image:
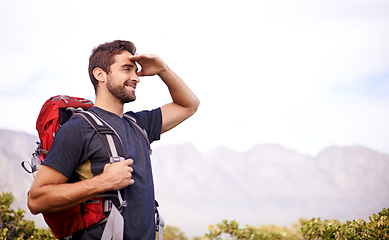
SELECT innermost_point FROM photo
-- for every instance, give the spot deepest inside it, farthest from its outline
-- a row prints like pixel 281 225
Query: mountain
pixel 268 184
pixel 16 147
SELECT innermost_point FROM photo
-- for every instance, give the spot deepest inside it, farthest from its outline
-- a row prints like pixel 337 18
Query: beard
pixel 120 91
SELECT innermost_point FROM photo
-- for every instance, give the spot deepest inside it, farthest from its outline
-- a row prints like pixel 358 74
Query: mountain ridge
pixel 267 184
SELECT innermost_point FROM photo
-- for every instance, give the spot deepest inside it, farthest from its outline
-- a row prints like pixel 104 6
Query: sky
pixel 303 74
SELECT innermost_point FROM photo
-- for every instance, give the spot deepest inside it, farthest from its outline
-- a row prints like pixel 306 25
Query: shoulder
pixel 68 146
pixel 74 124
pixel 145 114
pixel 74 131
pixel 146 117
pixel 149 120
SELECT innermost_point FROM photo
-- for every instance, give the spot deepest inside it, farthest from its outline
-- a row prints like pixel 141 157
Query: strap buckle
pixel 116 159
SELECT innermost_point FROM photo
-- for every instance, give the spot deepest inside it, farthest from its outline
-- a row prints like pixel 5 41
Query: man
pixel 77 152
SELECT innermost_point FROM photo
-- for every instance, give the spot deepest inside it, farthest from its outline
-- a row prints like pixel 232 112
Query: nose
pixel 135 79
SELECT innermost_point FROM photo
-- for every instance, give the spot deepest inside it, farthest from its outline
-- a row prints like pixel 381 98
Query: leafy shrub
pixel 12 225
pixel 318 229
pixel 315 228
pixel 377 228
pixel 231 230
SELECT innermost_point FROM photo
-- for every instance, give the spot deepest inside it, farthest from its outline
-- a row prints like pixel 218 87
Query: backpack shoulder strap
pixel 133 122
pixel 114 227
pixel 108 135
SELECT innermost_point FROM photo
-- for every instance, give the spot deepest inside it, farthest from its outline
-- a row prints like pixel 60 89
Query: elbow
pixel 32 205
pixel 33 209
pixel 195 104
pixel 34 212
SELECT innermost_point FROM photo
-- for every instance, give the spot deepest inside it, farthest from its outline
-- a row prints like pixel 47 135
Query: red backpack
pixel 55 112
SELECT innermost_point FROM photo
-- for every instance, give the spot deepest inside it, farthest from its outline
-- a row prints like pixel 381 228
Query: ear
pixel 100 74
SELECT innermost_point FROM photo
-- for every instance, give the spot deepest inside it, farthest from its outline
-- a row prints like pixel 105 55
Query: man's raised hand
pixel 151 64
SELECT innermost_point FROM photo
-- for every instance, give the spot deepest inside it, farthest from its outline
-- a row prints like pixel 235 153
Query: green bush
pixel 12 225
pixel 315 228
pixel 377 228
pixel 231 230
pixel 318 229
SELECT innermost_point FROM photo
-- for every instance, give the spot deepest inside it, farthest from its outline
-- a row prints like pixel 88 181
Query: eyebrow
pixel 130 66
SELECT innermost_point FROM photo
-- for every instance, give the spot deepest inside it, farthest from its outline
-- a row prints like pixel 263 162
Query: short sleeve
pixel 150 121
pixel 66 151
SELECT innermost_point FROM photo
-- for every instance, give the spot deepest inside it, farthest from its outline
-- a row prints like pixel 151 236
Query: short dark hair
pixel 103 56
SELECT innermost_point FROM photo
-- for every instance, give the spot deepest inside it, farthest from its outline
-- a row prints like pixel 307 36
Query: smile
pixel 131 86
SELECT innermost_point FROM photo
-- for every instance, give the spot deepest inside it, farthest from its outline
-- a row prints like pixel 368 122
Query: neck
pixel 110 104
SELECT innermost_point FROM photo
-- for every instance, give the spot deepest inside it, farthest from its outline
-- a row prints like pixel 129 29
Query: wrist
pixel 100 184
pixel 165 72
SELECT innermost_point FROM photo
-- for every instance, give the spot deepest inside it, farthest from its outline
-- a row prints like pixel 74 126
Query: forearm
pixel 185 102
pixel 50 192
pixel 179 91
pixel 56 197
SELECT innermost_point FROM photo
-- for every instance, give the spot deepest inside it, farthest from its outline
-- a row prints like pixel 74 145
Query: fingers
pixel 150 64
pixel 140 57
pixel 132 181
pixel 134 58
pixel 128 162
pixel 119 174
pixel 140 73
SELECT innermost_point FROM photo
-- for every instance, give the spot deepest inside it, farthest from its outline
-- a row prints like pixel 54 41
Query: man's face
pixel 122 78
